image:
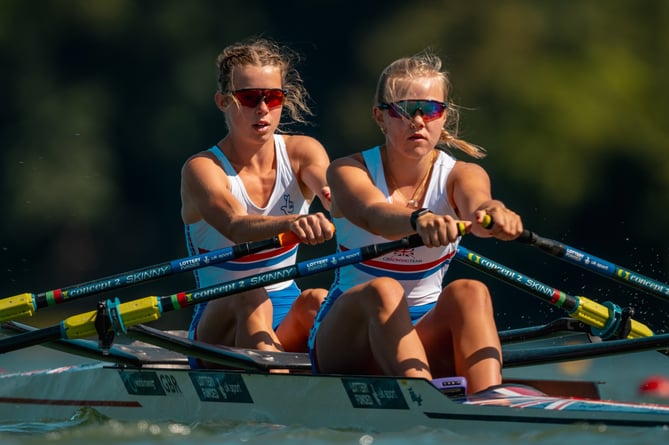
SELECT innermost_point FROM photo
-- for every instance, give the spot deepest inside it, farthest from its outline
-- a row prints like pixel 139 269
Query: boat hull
pixel 341 402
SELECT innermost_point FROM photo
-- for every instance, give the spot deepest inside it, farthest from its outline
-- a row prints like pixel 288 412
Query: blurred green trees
pixel 104 99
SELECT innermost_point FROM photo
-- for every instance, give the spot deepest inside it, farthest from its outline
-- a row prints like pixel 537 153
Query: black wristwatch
pixel 417 214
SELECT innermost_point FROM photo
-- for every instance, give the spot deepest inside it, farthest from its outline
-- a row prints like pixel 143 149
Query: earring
pixel 383 130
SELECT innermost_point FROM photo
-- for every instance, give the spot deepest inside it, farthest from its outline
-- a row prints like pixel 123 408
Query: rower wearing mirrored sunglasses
pixel 392 315
pixel 255 183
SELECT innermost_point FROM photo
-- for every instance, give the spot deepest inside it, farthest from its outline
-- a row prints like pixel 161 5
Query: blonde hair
pixel 263 52
pixel 393 82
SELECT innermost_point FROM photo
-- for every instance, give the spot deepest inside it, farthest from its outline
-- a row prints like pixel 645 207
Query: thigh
pixel 223 317
pixel 294 328
pixel 342 341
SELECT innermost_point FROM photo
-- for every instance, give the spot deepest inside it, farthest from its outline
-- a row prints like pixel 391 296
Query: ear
pixel 222 100
pixel 377 114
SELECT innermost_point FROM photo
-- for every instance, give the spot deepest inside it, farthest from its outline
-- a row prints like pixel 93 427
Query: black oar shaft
pixel 31 338
pixel 552 354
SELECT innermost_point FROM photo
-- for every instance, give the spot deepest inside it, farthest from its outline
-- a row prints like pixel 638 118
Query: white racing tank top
pixel 419 270
pixel 286 198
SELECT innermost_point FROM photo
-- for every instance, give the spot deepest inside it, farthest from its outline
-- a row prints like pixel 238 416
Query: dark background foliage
pixel 103 100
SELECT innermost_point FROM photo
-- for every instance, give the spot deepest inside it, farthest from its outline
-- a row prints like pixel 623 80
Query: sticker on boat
pixel 374 393
pixel 220 387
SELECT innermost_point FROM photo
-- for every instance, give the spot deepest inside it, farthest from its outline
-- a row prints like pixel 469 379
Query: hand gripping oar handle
pixel 595 264
pixel 604 319
pixel 117 316
pixel 25 305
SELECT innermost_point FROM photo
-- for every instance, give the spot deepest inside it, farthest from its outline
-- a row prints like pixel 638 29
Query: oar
pixel 605 320
pixel 552 354
pixel 113 316
pixel 25 305
pixel 595 264
pixel 83 348
pixel 561 326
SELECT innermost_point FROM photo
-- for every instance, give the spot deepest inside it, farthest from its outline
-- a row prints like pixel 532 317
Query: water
pixel 88 430
pixel 623 375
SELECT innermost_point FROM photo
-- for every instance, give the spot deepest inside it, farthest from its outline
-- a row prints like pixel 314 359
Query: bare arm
pixel 470 194
pixel 205 195
pixel 310 161
pixel 356 198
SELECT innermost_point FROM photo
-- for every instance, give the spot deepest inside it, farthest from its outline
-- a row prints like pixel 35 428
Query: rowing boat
pixel 152 381
pixel 139 381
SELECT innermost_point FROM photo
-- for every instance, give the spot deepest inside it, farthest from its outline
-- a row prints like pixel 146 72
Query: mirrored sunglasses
pixel 429 109
pixel 251 97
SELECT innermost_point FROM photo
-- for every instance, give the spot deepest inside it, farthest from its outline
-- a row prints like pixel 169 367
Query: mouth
pixel 261 125
pixel 417 137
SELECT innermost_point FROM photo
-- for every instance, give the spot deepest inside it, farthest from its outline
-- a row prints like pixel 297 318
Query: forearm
pixel 383 219
pixel 243 228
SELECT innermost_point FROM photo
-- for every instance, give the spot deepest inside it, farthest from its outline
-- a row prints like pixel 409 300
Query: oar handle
pixel 287 239
pixel 547 245
pixel 290 238
pixel 487 223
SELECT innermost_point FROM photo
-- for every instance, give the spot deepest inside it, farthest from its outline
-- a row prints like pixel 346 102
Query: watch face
pixel 416 214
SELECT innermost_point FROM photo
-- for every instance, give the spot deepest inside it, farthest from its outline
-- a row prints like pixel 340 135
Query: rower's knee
pixel 385 291
pixel 469 295
pixel 309 302
pixel 466 298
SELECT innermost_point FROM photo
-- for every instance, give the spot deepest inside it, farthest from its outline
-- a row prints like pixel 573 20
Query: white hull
pixel 341 402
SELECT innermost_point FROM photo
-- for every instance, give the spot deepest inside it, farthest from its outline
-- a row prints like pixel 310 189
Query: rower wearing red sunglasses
pixel 253 184
pixel 405 322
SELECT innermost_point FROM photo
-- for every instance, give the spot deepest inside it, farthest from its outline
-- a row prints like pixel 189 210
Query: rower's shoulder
pixel 301 142
pixel 352 160
pixel 468 169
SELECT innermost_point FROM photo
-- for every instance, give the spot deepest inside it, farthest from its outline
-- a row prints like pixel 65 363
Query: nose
pixel 416 120
pixel 262 107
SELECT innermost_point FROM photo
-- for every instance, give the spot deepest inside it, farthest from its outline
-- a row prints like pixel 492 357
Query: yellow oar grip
pixel 142 310
pixel 487 222
pixel 596 315
pixel 18 306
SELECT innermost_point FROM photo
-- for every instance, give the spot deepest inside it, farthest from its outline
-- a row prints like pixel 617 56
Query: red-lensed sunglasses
pixel 251 97
pixel 429 109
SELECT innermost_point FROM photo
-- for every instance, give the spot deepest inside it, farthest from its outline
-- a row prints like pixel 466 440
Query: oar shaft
pixel 588 311
pixel 25 305
pixel 552 354
pixel 596 265
pixel 32 338
pixel 147 309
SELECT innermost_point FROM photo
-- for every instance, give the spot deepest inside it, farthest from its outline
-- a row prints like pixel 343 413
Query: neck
pixel 245 154
pixel 409 183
